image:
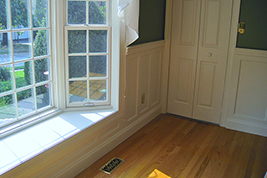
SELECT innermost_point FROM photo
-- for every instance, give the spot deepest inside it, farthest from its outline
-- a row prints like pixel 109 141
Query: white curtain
pixel 128 12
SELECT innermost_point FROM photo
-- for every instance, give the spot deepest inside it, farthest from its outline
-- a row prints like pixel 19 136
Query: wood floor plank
pixel 220 152
pixel 199 162
pixel 226 151
pixel 186 152
pixel 260 165
pixel 252 157
pixel 240 157
pixel 180 147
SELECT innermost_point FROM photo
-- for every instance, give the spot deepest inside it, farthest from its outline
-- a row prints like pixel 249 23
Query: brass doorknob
pixel 210 54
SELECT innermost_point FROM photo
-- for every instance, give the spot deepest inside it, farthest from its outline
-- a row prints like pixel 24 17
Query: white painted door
pixel 200 37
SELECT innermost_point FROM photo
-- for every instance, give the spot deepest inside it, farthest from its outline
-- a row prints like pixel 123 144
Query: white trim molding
pixel 244 106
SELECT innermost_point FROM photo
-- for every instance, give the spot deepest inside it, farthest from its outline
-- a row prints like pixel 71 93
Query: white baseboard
pixel 247 127
pixel 81 162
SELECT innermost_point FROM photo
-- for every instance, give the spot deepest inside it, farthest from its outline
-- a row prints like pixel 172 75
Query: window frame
pixel 111 89
pixel 57 14
pixel 30 29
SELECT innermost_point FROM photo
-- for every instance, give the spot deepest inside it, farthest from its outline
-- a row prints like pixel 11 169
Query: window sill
pixel 24 145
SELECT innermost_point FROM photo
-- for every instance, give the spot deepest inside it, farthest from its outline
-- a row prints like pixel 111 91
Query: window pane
pixel 77 66
pixel 7 109
pixel 18 46
pixel 76 12
pixel 97 12
pixel 77 41
pixel 41 43
pixel 39 13
pixel 23 74
pixel 41 69
pixel 25 102
pixel 4 15
pixel 5 48
pixel 98 66
pixel 98 90
pixel 98 41
pixel 22 45
pixel 43 96
pixel 78 91
pixel 20 13
pixel 6 78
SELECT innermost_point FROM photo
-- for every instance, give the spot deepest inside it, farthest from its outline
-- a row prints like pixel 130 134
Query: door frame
pixel 166 56
pixel 231 52
pixel 167 50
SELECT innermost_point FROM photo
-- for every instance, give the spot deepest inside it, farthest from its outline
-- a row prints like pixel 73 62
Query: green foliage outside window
pixel 4 73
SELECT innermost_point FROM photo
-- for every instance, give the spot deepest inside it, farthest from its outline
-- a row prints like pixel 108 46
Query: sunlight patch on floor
pixel 157 174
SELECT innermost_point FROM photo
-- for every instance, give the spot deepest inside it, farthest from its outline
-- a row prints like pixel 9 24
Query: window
pixel 87 34
pixel 25 59
pixel 56 54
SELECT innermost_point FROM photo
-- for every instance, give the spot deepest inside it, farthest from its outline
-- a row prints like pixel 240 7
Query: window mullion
pixel 14 84
pixel 88 64
pixel 109 43
pixel 35 98
pixel 9 13
pixel 77 54
pixel 33 80
pixel 108 12
pixel 99 54
pixel 88 81
pixel 30 10
pixel 66 66
pixel 59 55
pixel 51 64
pixel 33 89
pixel 50 54
pixel 13 60
pixel 87 12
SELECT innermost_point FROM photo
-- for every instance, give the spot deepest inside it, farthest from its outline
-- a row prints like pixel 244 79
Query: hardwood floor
pixel 182 147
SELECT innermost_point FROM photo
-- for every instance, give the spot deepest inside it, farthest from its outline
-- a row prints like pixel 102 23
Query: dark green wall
pixel 254 14
pixel 151 21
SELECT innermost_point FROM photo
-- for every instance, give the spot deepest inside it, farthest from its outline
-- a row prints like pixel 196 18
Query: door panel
pixel 188 22
pixel 211 23
pixel 212 57
pixel 184 80
pixel 184 46
pixel 206 85
pixel 180 100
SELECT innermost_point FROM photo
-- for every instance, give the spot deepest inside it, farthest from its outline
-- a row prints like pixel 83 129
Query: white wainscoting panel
pixel 131 88
pixel 155 75
pixel 143 71
pixel 247 103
